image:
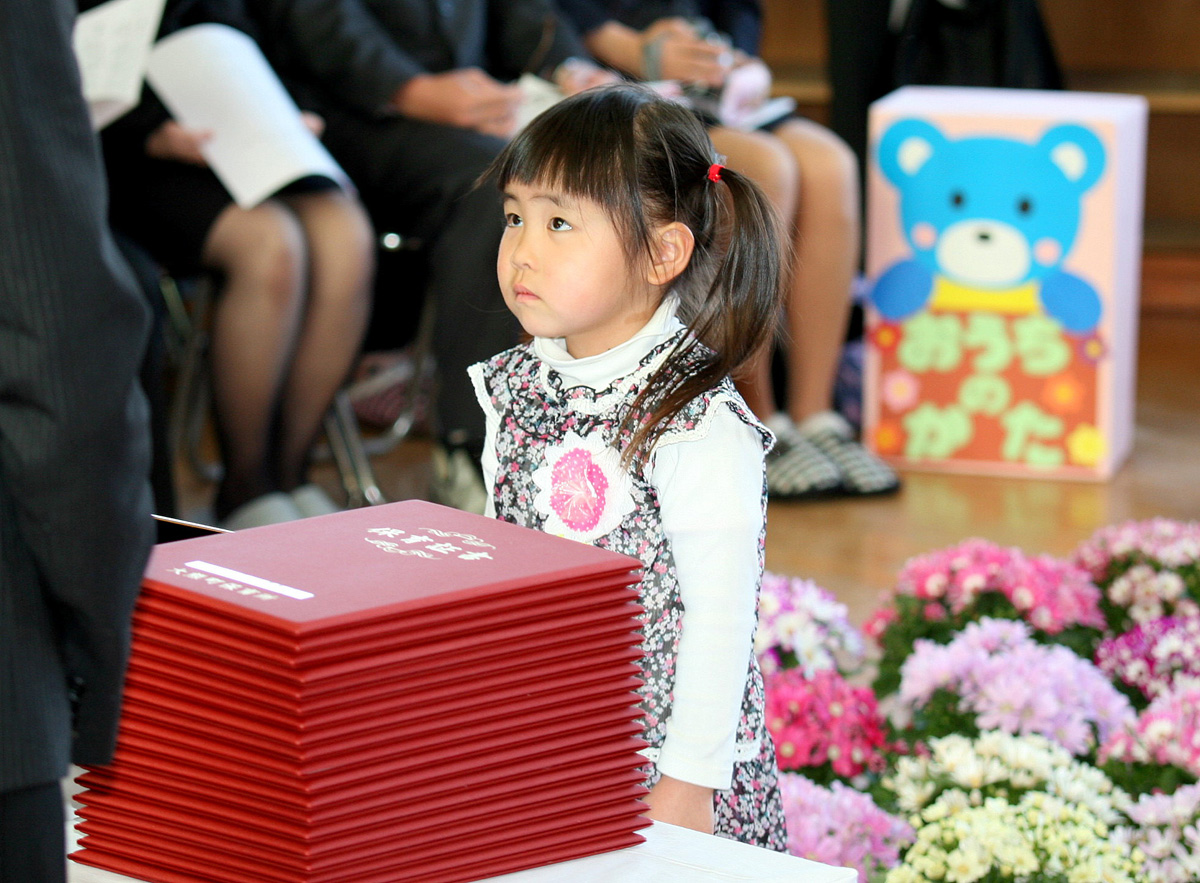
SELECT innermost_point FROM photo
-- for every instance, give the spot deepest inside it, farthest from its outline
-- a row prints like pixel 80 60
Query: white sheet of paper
pixel 112 44
pixel 214 77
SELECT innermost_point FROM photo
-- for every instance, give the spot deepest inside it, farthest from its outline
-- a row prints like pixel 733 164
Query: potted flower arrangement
pixel 1146 570
pixel 1045 714
pixel 825 727
pixel 999 764
pixel 993 675
pixel 1039 838
pixel 1161 749
pixel 1008 807
pixel 936 595
pixel 841 826
pixel 1152 658
pixel 1164 828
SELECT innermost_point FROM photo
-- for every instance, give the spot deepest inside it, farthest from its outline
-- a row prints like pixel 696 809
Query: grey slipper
pixel 796 468
pixel 863 473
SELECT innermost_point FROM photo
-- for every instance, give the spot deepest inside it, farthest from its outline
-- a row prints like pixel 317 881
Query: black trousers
pixel 860 54
pixel 32 835
pixel 422 180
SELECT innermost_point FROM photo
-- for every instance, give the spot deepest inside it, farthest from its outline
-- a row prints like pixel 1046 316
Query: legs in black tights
pixel 287 325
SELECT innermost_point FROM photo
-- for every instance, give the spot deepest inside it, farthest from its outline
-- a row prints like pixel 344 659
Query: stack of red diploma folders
pixel 405 692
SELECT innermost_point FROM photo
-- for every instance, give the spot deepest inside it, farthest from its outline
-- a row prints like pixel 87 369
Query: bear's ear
pixel 1077 151
pixel 906 146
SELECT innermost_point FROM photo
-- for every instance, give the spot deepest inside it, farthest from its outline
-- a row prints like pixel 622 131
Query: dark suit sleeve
pixel 585 15
pixel 74 446
pixel 339 44
pixel 529 35
pixel 741 20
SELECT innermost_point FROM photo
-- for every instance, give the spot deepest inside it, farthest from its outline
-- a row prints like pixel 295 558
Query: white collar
pixel 599 370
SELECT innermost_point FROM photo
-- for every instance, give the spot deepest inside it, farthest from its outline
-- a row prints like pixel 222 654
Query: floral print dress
pixel 559 472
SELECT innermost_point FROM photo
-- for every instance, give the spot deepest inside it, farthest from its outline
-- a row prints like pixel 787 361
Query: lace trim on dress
pixel 676 433
pixel 598 401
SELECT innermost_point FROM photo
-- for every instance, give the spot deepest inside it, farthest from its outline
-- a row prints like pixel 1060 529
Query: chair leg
pixel 422 350
pixel 192 397
pixel 350 455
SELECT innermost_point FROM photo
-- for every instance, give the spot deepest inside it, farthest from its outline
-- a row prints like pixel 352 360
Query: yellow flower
pixel 1085 445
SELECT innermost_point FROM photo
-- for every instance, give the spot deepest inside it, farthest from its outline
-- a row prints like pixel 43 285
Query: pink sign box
pixel 1003 249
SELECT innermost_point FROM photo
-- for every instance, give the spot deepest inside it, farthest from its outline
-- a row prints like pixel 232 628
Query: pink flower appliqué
pixel 583 490
pixel 578 489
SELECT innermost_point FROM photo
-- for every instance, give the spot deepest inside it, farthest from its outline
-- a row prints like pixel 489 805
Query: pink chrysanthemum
pixel 1166 733
pixel 1146 569
pixel 840 826
pixel 803 625
pixel 823 726
pixel 1005 681
pixel 1155 656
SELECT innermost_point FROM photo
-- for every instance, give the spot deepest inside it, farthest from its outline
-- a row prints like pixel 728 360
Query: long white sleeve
pixel 710 492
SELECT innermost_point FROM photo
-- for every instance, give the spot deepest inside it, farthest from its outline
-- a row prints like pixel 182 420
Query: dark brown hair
pixel 645 161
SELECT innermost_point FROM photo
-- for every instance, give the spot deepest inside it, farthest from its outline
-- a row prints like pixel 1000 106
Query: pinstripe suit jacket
pixel 75 521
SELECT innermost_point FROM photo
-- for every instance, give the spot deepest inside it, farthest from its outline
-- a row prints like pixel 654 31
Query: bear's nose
pixel 983 235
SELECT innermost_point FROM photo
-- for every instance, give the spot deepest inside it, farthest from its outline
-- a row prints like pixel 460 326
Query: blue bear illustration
pixel 990 221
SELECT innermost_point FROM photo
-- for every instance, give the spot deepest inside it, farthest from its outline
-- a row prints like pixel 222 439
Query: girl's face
pixel 564 272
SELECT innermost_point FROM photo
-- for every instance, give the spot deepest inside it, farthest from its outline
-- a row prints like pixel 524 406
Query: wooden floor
pixel 855 547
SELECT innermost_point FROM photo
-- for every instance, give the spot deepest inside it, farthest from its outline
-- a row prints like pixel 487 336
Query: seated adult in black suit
pixel 293 277
pixel 417 99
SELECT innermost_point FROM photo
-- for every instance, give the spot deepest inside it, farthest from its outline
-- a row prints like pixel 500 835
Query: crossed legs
pixel 287 325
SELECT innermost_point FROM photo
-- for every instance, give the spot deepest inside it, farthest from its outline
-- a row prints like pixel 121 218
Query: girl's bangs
pixel 583 148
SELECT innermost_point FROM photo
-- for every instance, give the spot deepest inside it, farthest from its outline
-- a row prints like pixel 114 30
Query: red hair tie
pixel 714 172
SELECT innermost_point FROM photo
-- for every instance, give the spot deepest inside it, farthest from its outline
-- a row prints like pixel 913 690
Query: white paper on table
pixel 669 855
pixel 213 77
pixel 112 45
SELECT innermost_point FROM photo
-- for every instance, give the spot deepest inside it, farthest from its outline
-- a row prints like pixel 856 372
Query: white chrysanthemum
pixel 968 863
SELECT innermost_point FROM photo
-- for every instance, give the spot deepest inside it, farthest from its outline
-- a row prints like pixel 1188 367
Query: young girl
pixel 646 273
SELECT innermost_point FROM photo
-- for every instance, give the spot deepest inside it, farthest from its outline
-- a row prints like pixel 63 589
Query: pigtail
pixel 732 313
pixel 739 313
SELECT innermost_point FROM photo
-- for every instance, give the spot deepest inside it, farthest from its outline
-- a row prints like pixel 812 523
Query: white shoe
pixel 311 500
pixel 456 480
pixel 272 508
